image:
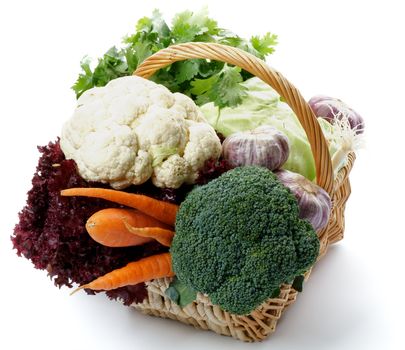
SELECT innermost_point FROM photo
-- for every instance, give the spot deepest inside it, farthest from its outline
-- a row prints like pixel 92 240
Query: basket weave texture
pixel 261 322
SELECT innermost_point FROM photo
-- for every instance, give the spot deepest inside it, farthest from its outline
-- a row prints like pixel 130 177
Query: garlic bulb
pixel 264 146
pixel 343 139
pixel 333 109
pixel 314 202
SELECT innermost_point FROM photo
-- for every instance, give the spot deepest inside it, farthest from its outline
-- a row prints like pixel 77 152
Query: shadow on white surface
pixel 335 309
pixel 337 305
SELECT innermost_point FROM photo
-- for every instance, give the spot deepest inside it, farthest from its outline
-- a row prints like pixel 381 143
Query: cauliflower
pixel 133 129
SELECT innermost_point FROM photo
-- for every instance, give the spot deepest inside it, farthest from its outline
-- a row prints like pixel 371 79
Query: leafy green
pixel 227 89
pixel 189 26
pixel 187 70
pixel 201 79
pixel 222 88
pixel 180 293
pixel 85 80
pixel 261 105
pixel 264 45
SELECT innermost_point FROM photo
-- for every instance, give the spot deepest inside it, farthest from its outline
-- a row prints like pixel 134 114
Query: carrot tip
pixel 161 235
pixel 77 289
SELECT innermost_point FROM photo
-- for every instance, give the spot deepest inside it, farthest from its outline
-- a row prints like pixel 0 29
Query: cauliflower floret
pixel 202 145
pixel 140 172
pixel 134 129
pixel 116 147
pixel 172 173
pixel 188 105
pixel 162 128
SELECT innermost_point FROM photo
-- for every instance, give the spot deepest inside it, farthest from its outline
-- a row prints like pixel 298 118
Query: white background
pixel 349 49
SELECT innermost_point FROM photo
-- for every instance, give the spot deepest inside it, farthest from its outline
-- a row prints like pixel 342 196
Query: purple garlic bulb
pixel 264 146
pixel 330 108
pixel 314 202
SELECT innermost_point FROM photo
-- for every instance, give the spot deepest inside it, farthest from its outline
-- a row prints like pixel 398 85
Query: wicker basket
pixel 261 322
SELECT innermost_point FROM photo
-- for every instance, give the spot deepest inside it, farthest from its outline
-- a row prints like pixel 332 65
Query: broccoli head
pixel 239 237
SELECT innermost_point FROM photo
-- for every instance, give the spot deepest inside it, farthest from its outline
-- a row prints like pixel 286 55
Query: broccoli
pixel 239 237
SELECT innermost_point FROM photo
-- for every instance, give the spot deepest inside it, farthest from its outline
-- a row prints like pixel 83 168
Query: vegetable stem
pixel 338 158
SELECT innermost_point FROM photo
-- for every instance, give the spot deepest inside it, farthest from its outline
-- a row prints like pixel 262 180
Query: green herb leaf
pixel 180 293
pixel 142 50
pixel 203 80
pixel 264 45
pixel 202 89
pixel 159 26
pixel 186 70
pixel 226 91
pixel 188 25
pixel 85 79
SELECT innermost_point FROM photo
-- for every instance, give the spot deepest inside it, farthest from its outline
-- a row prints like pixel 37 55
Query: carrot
pixel 162 211
pixel 163 236
pixel 146 269
pixel 110 227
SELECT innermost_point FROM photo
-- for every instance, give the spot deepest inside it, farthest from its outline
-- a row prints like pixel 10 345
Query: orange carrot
pixel 162 211
pixel 110 227
pixel 146 269
pixel 163 236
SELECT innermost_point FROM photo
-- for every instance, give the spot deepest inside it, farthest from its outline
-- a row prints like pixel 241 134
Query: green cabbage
pixel 262 106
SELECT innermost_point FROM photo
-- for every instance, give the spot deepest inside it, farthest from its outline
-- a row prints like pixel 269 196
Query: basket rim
pixel 259 68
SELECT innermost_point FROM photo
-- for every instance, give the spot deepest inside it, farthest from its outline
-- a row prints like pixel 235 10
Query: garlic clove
pixel 314 202
pixel 264 146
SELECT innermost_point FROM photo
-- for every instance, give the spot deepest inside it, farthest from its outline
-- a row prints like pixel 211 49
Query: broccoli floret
pixel 239 237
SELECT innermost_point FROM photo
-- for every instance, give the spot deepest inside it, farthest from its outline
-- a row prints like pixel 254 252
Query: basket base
pixel 204 315
pixel 261 322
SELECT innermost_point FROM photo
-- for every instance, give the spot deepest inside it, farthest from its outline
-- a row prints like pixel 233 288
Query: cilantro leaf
pixel 202 89
pixel 188 25
pixel 222 88
pixel 203 80
pixel 226 91
pixel 186 70
pixel 264 45
pixel 209 68
pixel 142 50
pixel 159 26
pixel 85 79
pixel 183 33
pixel 153 32
pixel 111 66
pixel 165 77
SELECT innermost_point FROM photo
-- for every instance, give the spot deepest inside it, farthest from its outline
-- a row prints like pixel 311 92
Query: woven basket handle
pixel 258 68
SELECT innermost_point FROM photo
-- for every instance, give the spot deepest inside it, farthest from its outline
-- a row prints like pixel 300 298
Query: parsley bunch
pixel 203 80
